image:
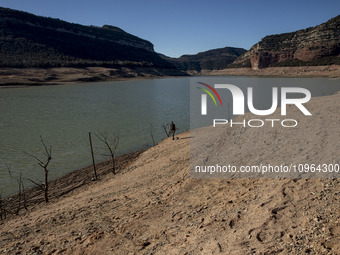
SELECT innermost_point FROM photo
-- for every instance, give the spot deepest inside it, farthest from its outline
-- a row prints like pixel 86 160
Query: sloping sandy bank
pixel 69 75
pixel 156 208
pixel 332 71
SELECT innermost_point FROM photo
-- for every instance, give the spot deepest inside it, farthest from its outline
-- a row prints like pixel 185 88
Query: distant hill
pixel 209 60
pixel 318 45
pixel 27 40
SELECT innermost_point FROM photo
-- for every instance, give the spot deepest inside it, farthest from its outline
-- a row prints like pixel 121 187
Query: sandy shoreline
pixel 154 207
pixel 332 71
pixel 65 184
pixel 16 77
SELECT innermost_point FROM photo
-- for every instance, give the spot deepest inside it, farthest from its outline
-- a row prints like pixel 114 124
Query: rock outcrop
pixel 215 59
pixel 27 40
pixel 312 46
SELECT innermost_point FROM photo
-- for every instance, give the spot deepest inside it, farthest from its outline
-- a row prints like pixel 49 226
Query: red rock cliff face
pixel 304 45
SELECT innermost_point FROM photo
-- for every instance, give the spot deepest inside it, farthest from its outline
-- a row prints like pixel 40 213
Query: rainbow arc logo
pixel 204 97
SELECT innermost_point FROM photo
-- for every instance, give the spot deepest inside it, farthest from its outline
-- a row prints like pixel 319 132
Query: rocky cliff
pixel 27 40
pixel 215 59
pixel 318 45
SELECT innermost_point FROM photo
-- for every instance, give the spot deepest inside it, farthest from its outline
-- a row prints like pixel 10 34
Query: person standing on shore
pixel 172 130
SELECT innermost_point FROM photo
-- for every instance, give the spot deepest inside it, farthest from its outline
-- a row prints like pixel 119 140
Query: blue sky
pixel 189 26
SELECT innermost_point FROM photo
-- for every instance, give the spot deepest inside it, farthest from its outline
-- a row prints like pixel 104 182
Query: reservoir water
pixel 63 115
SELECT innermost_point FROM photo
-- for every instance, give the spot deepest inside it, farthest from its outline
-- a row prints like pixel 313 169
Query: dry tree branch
pixel 111 142
pixel 48 154
pixel 1 208
pixel 9 170
pixel 151 134
pixel 166 128
pixel 93 162
pixel 39 185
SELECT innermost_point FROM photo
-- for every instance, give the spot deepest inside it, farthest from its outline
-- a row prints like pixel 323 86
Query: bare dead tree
pixel 9 170
pixel 93 162
pixel 23 194
pixel 166 129
pixel 1 211
pixel 19 194
pixel 5 212
pixel 111 141
pixel 151 134
pixel 48 154
pixel 21 190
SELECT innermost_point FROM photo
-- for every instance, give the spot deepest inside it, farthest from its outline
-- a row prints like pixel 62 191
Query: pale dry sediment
pixel 156 207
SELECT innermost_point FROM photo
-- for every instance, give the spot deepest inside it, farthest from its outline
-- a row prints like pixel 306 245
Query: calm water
pixel 63 116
